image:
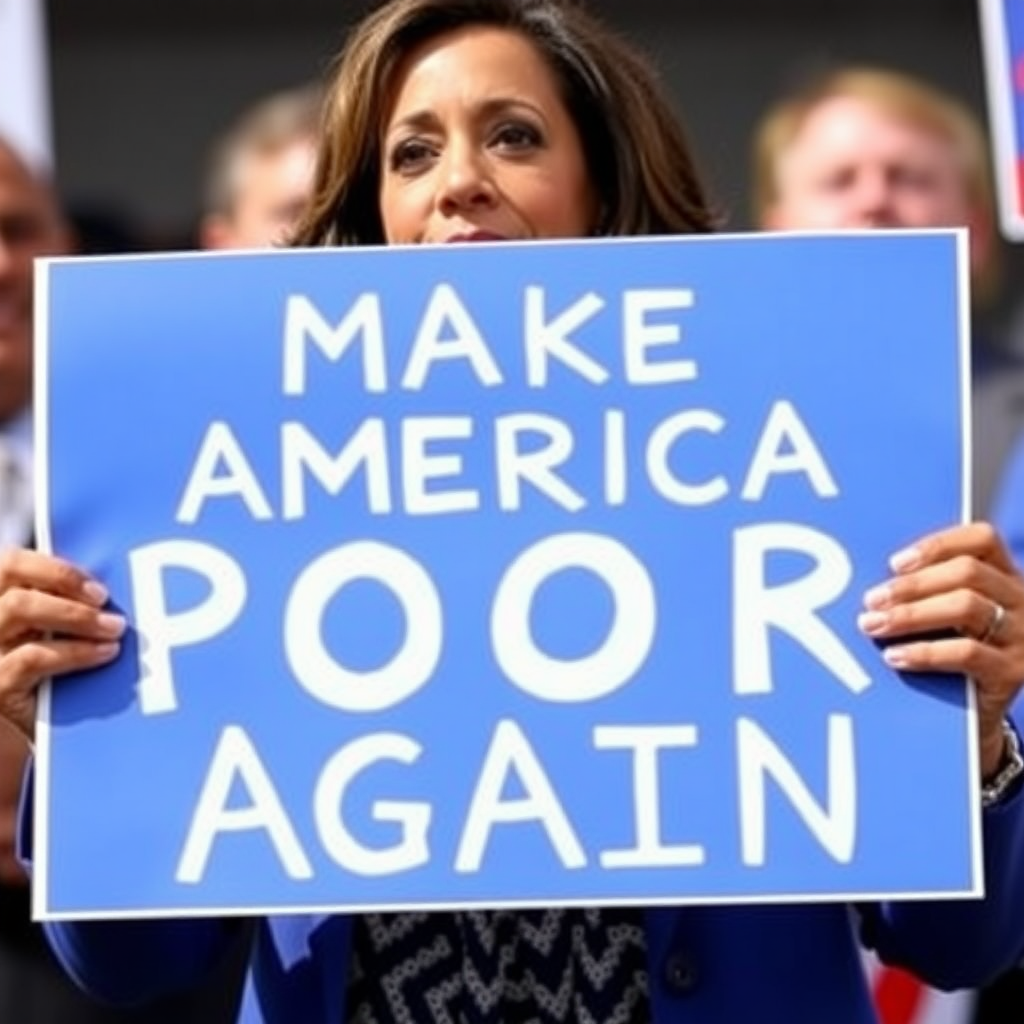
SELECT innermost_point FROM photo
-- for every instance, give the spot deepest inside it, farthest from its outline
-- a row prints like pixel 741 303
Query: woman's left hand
pixel 963 584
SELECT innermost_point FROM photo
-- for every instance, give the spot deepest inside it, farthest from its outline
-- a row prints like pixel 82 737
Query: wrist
pixel 1007 771
pixel 993 751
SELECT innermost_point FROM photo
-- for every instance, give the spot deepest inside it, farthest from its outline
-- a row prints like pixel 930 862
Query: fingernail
pixel 878 597
pixel 104 652
pixel 896 657
pixel 908 558
pixel 95 592
pixel 111 623
pixel 872 622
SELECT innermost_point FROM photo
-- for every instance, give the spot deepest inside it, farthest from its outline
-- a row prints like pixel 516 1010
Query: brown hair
pixel 635 148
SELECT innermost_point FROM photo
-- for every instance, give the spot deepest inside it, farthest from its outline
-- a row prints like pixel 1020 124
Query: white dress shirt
pixel 16 513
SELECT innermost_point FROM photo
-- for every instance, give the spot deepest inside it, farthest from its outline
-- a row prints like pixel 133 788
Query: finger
pixel 24 667
pixel 961 573
pixel 20 567
pixel 963 610
pixel 979 540
pixel 995 683
pixel 32 611
pixel 962 655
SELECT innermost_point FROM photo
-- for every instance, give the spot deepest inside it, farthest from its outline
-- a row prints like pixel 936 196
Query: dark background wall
pixel 140 87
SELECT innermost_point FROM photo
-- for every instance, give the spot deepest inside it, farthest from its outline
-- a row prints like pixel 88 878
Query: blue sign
pixel 502 575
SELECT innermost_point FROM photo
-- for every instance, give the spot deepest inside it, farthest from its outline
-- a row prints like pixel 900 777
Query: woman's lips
pixel 476 236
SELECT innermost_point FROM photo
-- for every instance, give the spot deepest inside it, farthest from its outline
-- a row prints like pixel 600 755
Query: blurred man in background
pixel 31 225
pixel 261 172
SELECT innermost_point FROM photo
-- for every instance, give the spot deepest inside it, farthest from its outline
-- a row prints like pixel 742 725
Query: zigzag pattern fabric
pixel 550 966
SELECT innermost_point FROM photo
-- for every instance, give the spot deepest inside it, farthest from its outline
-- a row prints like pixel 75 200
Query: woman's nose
pixel 465 181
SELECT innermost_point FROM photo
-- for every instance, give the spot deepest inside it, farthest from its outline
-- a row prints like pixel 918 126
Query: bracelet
pixel 994 791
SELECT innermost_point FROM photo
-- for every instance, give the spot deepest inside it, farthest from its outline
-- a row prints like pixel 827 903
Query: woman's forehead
pixel 471 60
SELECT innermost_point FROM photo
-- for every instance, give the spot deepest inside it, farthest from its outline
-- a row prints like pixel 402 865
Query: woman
pixel 486 119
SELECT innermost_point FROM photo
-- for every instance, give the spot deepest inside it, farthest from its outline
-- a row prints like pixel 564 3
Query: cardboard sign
pixel 502 575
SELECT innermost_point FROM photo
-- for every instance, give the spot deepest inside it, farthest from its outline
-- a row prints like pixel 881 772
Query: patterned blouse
pixel 549 966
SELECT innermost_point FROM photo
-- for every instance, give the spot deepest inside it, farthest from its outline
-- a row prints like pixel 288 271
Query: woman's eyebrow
pixel 428 118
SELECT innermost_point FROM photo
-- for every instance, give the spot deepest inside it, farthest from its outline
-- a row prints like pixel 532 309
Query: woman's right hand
pixel 51 622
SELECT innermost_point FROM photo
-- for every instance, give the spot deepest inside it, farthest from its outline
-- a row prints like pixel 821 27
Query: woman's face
pixel 477 145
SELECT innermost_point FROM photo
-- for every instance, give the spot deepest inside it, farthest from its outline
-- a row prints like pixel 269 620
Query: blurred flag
pixel 901 999
pixel 24 81
pixel 1002 36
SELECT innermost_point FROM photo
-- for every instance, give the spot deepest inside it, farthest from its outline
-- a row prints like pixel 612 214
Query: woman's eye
pixel 517 135
pixel 410 154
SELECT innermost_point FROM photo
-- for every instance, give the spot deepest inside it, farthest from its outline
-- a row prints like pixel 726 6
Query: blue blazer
pixel 776 964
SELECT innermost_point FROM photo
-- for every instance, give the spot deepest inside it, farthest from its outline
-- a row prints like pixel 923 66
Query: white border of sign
pixel 41 840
